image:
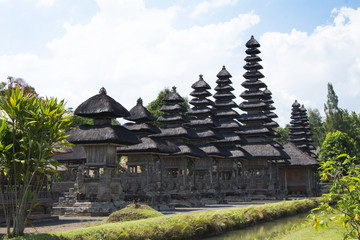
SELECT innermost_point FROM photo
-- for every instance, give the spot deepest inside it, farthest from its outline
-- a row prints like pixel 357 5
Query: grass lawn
pixel 307 232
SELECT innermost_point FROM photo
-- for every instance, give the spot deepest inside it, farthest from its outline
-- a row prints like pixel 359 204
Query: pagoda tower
pixel 144 176
pixel 300 134
pixel 100 142
pixel 201 120
pixel 176 172
pixel 258 131
pixel 227 126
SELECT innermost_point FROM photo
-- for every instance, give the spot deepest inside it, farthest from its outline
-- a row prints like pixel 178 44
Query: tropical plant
pixel 31 130
pixel 345 192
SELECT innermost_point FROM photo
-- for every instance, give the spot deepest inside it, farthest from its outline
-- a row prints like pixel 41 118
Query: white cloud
pixel 45 3
pixel 299 65
pixel 207 5
pixel 133 52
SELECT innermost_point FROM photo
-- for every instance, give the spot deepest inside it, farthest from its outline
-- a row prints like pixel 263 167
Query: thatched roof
pixel 253 117
pixel 214 151
pixel 90 134
pixel 253 84
pixel 202 110
pixel 190 151
pixel 139 113
pixel 150 145
pixel 173 96
pixel 256 94
pixel 77 155
pixel 266 151
pixel 224 95
pixel 200 84
pixel 248 106
pixel 201 102
pixel 173 108
pixel 225 104
pixel 172 118
pixel 142 128
pixel 299 157
pixel 223 74
pixel 230 138
pixel 177 132
pixel 227 113
pixel 101 106
pixel 224 87
pixel 201 122
pixel 252 43
pixel 200 93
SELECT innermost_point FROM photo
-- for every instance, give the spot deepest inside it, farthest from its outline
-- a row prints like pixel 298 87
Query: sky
pixel 135 48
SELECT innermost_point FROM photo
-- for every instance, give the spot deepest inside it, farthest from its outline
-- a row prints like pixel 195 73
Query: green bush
pixel 133 212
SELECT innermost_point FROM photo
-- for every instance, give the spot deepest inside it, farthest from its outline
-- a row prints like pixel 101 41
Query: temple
pixel 214 152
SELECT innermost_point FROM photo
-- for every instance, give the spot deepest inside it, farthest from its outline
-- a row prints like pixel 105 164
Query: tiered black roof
pixel 201 119
pixel 300 130
pixel 258 131
pixel 225 116
pixel 101 107
pixel 174 118
pixel 142 128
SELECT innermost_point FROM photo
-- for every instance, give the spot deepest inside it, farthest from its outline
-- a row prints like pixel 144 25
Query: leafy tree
pixel 316 127
pixel 31 129
pixel 334 114
pixel 154 106
pixel 13 83
pixel 345 192
pixel 284 134
pixel 337 143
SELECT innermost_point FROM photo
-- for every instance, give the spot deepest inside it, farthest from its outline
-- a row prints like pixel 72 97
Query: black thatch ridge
pixel 101 106
pixel 91 134
pixel 299 157
pixel 76 156
pixel 230 138
pixel 224 95
pixel 224 87
pixel 248 106
pixel 208 134
pixel 142 128
pixel 201 122
pixel 139 113
pixel 252 94
pixel 150 145
pixel 225 104
pixel 200 94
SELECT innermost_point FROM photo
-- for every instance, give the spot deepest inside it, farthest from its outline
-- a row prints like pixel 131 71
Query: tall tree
pixel 31 129
pixel 316 127
pixel 333 113
pixel 13 82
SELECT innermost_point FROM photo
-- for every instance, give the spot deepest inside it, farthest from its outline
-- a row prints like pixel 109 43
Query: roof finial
pixel 102 91
pixel 201 77
pixel 223 67
pixel 174 89
pixel 139 102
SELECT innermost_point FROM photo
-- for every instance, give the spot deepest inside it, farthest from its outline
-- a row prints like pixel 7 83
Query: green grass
pixel 133 212
pixel 307 232
pixel 187 226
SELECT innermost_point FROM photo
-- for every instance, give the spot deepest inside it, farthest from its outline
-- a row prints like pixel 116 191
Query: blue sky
pixel 135 48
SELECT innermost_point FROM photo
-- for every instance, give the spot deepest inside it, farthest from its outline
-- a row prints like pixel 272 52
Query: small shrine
pixel 98 180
